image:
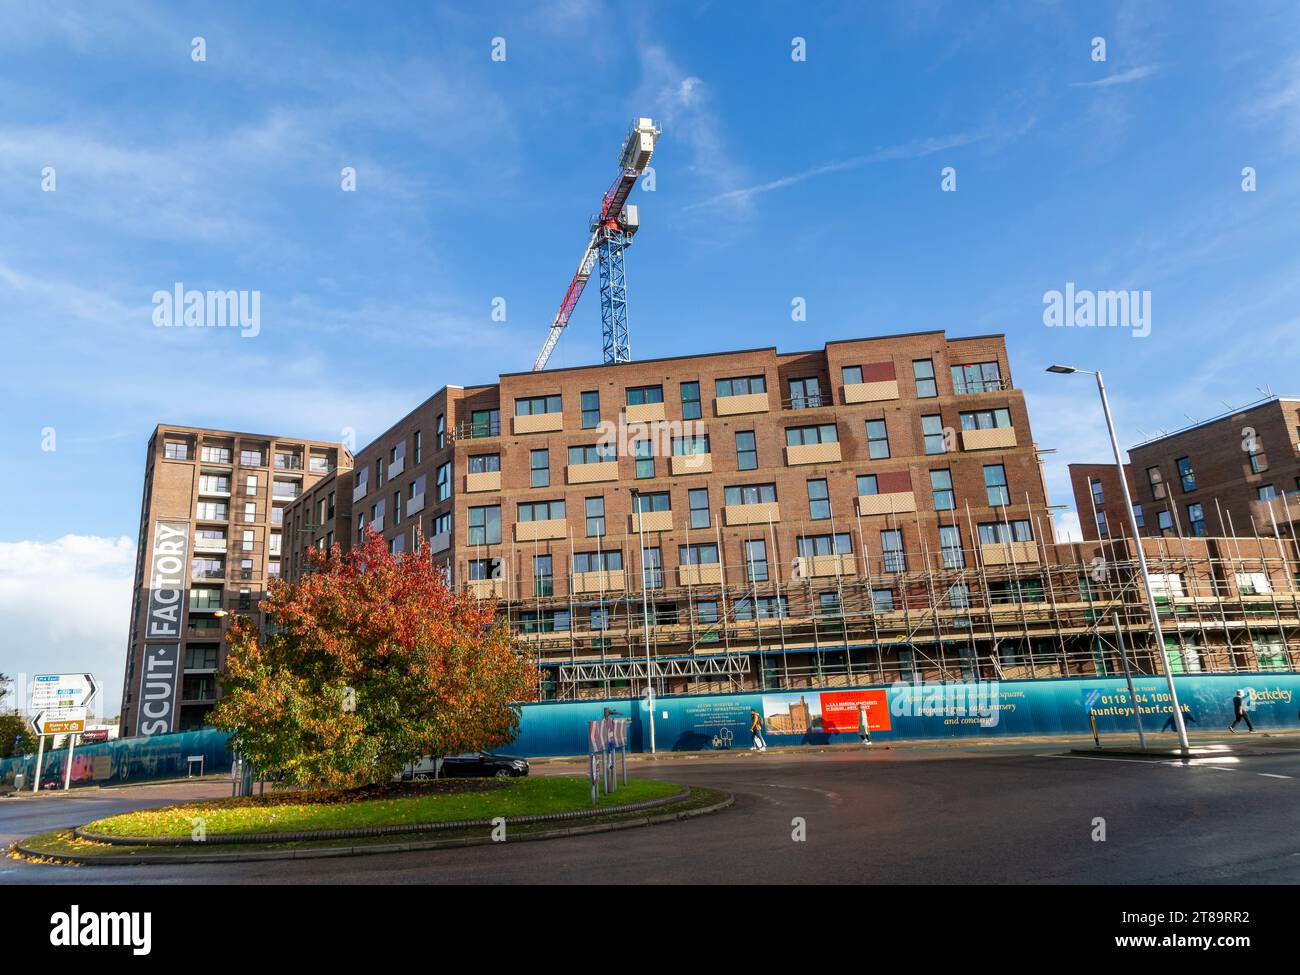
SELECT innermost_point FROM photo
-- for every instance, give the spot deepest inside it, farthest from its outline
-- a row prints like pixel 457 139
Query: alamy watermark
pixel 958 702
pixel 208 309
pixel 1077 307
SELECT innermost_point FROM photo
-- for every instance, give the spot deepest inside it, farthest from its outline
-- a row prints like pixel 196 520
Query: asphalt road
pixel 998 814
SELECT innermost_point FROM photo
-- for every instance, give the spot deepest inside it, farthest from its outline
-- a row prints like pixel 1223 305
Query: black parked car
pixel 483 764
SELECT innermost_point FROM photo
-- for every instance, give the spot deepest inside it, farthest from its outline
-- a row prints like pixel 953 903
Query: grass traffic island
pixel 409 816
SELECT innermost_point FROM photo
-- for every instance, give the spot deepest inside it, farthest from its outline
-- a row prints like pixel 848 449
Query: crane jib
pixel 618 194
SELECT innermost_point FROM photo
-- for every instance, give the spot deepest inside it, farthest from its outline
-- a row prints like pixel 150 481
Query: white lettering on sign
pixel 167 580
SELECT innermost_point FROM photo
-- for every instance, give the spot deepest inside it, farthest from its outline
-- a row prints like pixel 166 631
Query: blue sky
pixel 775 179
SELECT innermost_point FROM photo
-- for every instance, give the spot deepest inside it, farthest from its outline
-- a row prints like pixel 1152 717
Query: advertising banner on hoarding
pixel 159 677
pixel 841 711
pixel 168 580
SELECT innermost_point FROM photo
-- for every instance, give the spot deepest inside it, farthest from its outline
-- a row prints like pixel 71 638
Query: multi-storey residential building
pixel 211 536
pixel 762 477
pixel 319 518
pixel 1225 476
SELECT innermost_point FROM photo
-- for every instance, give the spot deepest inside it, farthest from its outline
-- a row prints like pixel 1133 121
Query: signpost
pixel 606 738
pixel 58 705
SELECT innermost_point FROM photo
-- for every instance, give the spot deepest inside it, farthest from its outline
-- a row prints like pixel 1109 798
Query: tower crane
pixel 612 231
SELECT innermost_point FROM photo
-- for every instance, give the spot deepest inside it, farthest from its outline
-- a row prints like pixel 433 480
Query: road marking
pixel 1174 764
pixel 1274 775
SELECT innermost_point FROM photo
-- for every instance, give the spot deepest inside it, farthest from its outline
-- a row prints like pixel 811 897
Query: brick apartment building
pixel 1226 476
pixel 758 471
pixel 210 538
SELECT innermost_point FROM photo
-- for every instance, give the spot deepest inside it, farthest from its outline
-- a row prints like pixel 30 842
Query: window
pixel 215 455
pixel 868 485
pixel 540 510
pixel 379 472
pixel 200 657
pixel 1103 526
pixel 812 545
pixel 441 524
pixel 1196 519
pixel 643 395
pixel 995 482
pixel 546 621
pixel 643 451
pixel 416 490
pixel 250 484
pixel 1258 462
pixel 756 560
pixel 688 446
pixel 851 375
pixel 397 507
pixel 706 612
pixel 207 569
pixel 652 569
pixel 481 569
pixel 484 463
pixel 1186 475
pixel 591 453
pixel 211 511
pixel 419 446
pixel 882 600
pixel 697 499
pixel 1165 522
pixel 703 554
pixel 543 576
pixel 176 451
pixel 250 511
pixel 609 561
pixel 891 545
pixel 1098 493
pixel 941 489
pixel 923 373
pixel 440 432
pixel 595 511
pixel 533 405
pixel 744 386
pixel 819 500
pixel 539 467
pixel 484 423
pixel 691 401
pixel 950 547
pixel 877 440
pixel 933 435
pixel 821 433
pixel 805 393
pixel 658 501
pixel 1156 481
pixel 749 494
pixel 213 483
pixel 976 377
pixel 590 409
pixel 746 450
pixel 250 458
pixel 768 608
pixel 1265 492
pixel 985 419
pixel 1137 516
pixel 485 525
pixel 1002 532
pixel 442 480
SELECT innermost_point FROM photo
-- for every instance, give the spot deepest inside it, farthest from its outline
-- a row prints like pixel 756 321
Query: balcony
pixel 653 521
pixel 895 502
pixel 645 413
pixel 759 513
pixel 396 467
pixel 487 588
pixel 1009 553
pixel 359 490
pixel 812 453
pixel 439 542
pixel 602 580
pixel 884 389
pixel 377 523
pixel 991 439
pixel 207 573
pixel 483 481
pixel 538 531
pixel 209 544
pixel 215 492
pixel 285 494
pixel 736 405
pixel 284 462
pixel 416 504
pixel 816 566
pixel 538 423
pixel 691 464
pixel 605 470
pixel 705 574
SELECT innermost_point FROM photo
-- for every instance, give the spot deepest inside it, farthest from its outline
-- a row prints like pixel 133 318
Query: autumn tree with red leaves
pixel 371 660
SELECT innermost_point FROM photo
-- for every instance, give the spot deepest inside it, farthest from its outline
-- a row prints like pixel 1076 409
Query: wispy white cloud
pixel 1120 78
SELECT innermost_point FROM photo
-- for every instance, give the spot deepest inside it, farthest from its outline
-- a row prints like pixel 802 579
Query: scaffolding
pixel 1005 610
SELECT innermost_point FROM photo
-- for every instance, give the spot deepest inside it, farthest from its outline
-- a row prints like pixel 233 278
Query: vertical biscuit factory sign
pixel 160 667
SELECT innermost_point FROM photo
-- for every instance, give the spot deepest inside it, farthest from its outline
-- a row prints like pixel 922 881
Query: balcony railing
pixel 972 386
pixel 811 401
pixel 288 463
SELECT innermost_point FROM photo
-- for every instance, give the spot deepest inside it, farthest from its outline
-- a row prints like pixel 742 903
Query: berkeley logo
pixel 131 929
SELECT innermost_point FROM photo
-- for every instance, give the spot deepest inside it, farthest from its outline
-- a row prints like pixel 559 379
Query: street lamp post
pixel 1141 554
pixel 645 616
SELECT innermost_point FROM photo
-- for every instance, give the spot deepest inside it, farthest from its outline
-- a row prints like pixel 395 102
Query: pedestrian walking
pixel 1239 712
pixel 864 729
pixel 756 728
